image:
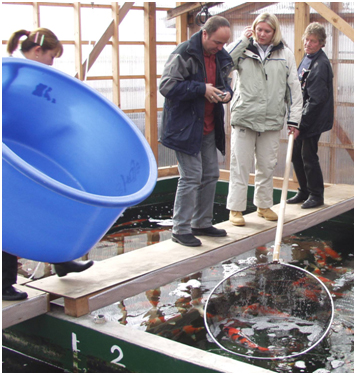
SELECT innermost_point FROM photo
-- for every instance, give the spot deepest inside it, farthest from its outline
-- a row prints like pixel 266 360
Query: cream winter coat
pixel 266 92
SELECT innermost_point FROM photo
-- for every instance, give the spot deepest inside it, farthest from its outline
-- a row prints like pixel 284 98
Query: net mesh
pixel 269 311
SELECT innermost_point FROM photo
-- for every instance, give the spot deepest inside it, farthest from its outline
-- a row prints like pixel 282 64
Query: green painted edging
pixel 165 189
pixel 51 340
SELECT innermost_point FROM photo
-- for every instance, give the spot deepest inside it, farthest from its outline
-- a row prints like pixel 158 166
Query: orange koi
pixel 156 321
pixel 162 319
pixel 237 336
pixel 331 253
pixel 309 294
pixel 190 330
pixel 325 280
pixel 262 248
pixel 300 281
pixel 256 309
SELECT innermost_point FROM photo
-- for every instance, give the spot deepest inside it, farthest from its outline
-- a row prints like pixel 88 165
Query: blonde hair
pixel 42 37
pixel 315 28
pixel 272 21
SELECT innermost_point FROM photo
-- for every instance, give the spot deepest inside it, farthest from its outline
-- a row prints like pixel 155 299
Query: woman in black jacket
pixel 316 77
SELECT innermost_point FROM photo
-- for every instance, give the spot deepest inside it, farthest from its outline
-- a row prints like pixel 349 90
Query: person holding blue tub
pixel 43 46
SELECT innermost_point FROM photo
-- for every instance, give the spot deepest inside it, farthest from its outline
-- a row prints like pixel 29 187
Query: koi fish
pixel 311 295
pixel 262 249
pixel 300 281
pixel 191 330
pixel 256 309
pixel 325 280
pixel 320 256
pixel 162 319
pixel 331 253
pixel 235 334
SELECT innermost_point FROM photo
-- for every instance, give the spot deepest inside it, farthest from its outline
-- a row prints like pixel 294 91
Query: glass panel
pixel 139 120
pixel 160 98
pixel 132 93
pixel 66 63
pixel 132 60
pixel 103 86
pixel 94 22
pixel 166 30
pixel 103 64
pixel 14 18
pixel 60 20
pixel 163 53
pixel 132 27
pixel 3 51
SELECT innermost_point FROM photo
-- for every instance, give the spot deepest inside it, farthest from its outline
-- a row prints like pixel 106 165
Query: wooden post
pixel 115 55
pixel 78 41
pixel 181 26
pixel 333 18
pixel 151 131
pixel 36 15
pixel 301 21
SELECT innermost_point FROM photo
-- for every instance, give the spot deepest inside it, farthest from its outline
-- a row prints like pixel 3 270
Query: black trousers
pixel 9 270
pixel 306 166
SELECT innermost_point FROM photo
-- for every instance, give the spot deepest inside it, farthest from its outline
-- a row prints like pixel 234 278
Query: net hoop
pixel 294 354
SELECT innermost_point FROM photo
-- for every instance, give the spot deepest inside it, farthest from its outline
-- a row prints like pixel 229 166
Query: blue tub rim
pixel 89 198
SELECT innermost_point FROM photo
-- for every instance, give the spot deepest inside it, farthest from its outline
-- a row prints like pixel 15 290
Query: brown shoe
pixel 236 218
pixel 267 213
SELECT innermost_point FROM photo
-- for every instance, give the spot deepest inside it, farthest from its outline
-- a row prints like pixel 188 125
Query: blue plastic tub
pixel 72 163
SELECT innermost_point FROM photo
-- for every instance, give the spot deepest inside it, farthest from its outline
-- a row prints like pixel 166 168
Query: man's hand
pixel 215 95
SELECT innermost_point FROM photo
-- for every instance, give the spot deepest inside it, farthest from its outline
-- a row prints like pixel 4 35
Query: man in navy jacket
pixel 195 83
pixel 316 77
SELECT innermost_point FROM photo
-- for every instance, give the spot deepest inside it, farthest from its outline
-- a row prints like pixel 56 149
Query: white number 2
pixel 116 361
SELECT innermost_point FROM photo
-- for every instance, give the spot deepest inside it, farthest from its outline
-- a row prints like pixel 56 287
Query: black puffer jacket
pixel 318 97
pixel 183 86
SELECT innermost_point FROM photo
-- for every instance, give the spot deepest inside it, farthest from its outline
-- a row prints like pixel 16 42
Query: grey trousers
pixel 194 201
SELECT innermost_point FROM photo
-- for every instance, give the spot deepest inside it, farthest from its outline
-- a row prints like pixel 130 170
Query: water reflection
pixel 175 310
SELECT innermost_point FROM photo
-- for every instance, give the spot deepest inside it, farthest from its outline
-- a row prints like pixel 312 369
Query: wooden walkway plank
pixel 14 312
pixel 128 274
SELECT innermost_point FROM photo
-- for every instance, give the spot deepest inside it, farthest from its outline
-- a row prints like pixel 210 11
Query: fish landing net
pixel 269 311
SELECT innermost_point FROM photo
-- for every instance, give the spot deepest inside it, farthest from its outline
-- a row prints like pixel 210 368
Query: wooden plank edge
pixel 25 310
pixel 199 262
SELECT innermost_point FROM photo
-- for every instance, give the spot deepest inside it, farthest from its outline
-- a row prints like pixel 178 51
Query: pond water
pixel 175 310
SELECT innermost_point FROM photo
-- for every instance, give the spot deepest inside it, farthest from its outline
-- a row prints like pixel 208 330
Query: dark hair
pixel 214 23
pixel 39 37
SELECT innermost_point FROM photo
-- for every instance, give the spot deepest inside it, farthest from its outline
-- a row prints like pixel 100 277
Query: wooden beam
pixel 186 8
pixel 333 18
pixel 124 10
pixel 344 138
pixel 151 128
pixel 115 10
pixel 301 21
pixel 78 42
pixel 335 54
pixel 181 27
pixel 247 8
pixel 36 15
pixel 105 38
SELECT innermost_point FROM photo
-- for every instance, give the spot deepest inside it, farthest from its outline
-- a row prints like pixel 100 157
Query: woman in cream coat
pixel 267 94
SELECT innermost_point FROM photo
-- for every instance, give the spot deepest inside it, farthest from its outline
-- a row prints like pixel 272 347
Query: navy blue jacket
pixel 183 86
pixel 318 97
